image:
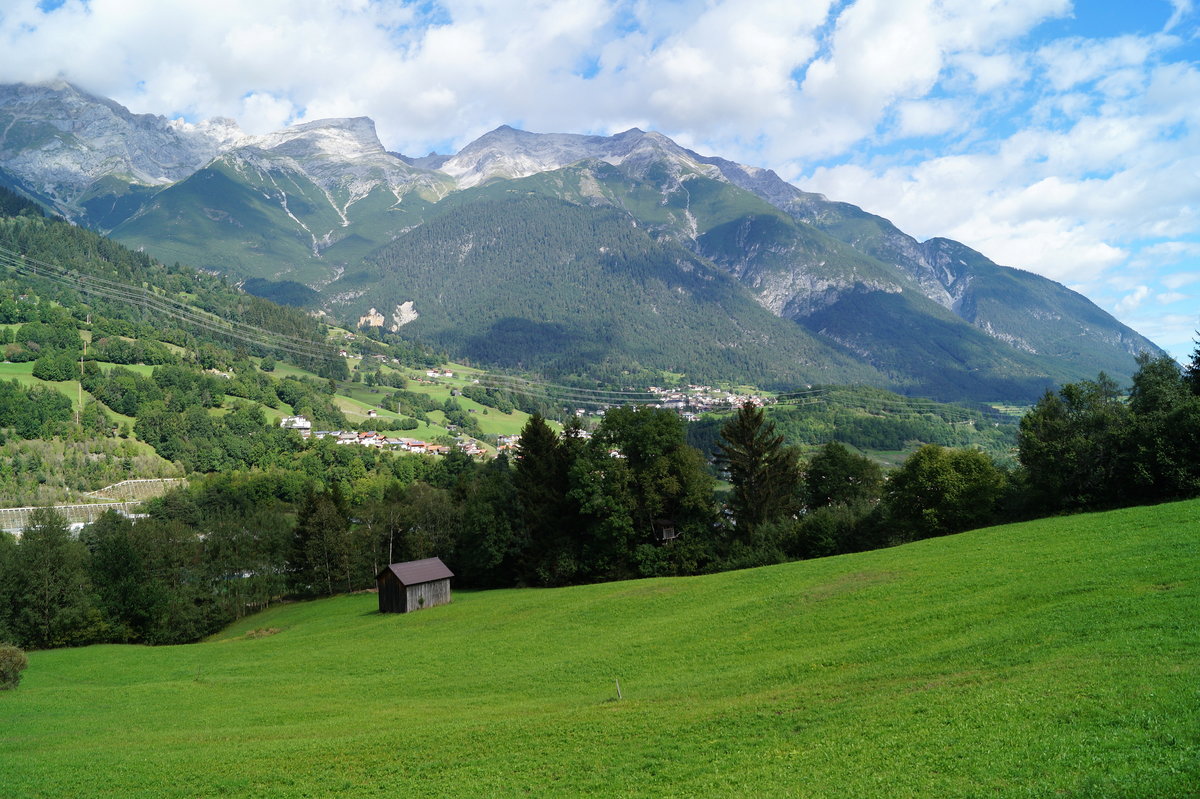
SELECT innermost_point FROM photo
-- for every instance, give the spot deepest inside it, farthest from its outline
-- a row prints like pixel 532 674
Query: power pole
pixel 79 409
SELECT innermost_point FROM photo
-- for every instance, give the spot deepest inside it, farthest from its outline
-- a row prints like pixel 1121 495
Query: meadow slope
pixel 1054 658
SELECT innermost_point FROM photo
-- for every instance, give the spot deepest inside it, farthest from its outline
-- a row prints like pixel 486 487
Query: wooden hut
pixel 404 587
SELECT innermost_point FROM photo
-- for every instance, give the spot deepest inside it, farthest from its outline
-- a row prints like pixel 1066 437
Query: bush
pixel 12 663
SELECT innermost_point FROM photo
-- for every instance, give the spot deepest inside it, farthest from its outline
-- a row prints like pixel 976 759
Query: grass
pixel 23 374
pixel 1057 658
pixel 354 399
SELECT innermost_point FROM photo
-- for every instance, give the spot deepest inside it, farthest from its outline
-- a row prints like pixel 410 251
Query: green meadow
pixel 1057 658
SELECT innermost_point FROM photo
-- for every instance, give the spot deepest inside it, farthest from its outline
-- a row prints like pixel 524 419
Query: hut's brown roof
pixel 415 572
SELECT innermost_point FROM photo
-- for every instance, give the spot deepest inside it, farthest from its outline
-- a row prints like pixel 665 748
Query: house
pixel 405 587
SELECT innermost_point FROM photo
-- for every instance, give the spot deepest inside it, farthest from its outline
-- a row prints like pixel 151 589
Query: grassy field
pixel 1059 658
pixel 354 399
pixel 23 374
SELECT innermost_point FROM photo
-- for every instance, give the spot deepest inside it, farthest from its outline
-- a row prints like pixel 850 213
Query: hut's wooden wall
pixel 391 595
pixel 434 593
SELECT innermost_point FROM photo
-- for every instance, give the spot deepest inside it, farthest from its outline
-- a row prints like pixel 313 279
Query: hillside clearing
pixel 1052 658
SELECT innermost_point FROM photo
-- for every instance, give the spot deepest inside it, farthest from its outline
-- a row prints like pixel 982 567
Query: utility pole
pixel 79 409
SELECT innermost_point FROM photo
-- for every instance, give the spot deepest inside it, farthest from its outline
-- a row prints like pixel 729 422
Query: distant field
pixel 493 421
pixel 1055 658
pixel 23 374
pixel 283 369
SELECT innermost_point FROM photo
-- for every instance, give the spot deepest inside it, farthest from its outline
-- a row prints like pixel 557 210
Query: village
pixel 689 403
pixel 379 440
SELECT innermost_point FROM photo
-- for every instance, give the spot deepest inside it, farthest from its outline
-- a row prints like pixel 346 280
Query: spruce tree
pixel 549 516
pixel 765 473
pixel 1191 372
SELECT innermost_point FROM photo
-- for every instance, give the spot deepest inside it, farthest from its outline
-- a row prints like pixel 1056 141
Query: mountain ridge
pixel 318 202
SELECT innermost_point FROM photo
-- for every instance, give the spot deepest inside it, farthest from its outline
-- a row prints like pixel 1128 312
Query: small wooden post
pixel 619 690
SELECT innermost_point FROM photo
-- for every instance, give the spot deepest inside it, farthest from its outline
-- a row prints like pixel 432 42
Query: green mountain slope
pixel 302 203
pixel 1054 658
pixel 838 294
pixel 535 283
pixel 1031 314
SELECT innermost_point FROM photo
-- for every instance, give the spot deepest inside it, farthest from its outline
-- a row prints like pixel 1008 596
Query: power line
pixel 123 292
pixel 141 297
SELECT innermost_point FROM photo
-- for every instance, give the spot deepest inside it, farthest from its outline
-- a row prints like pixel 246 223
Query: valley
pixel 731 446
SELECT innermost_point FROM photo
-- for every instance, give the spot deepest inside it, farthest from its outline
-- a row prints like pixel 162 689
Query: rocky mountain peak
pixel 348 138
pixel 510 153
pixel 61 139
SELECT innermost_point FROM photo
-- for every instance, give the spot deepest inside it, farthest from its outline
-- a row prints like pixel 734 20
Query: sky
pixel 1055 136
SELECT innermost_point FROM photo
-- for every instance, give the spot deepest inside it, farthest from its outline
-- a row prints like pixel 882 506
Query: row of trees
pixel 1086 446
pixel 630 499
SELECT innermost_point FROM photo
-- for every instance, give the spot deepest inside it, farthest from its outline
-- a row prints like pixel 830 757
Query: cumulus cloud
pixel 1134 299
pixel 1076 157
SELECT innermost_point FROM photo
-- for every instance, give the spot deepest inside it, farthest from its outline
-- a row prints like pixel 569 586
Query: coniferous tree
pixel 8 586
pixel 320 560
pixel 491 540
pixel 1192 372
pixel 119 572
pixel 54 594
pixel 549 516
pixel 764 472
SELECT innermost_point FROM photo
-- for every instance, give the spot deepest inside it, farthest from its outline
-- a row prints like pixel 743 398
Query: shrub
pixel 12 663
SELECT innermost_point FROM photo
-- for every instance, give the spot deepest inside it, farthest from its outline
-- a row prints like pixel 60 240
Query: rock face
pixel 342 156
pixel 60 141
pixel 319 203
pixel 509 153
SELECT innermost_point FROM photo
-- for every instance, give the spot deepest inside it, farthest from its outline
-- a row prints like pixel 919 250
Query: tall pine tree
pixel 765 473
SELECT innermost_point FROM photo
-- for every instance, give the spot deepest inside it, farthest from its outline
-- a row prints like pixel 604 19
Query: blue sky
pixel 1056 136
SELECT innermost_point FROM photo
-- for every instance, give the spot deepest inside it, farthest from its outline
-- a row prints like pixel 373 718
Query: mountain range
pixel 560 253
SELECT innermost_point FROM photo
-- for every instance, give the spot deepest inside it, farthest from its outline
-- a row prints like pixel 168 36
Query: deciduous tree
pixel 939 491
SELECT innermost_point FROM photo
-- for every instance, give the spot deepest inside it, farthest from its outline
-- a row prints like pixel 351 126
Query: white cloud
pixel 1180 9
pixel 991 71
pixel 1071 62
pixel 1174 332
pixel 1181 279
pixel 1133 300
pixel 919 118
pixel 262 111
pixel 1075 157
